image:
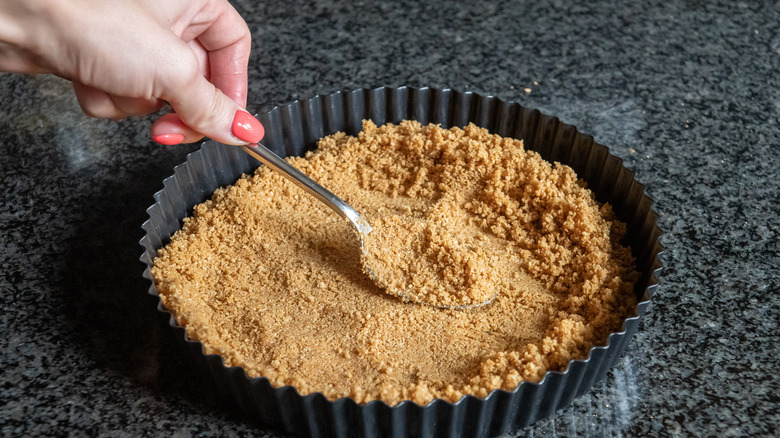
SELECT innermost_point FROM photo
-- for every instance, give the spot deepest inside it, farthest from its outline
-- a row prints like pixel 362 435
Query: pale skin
pixel 132 57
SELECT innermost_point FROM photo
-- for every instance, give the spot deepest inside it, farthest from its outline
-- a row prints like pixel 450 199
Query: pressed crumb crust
pixel 270 279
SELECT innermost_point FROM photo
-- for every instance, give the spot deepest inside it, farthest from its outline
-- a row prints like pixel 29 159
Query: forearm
pixel 24 25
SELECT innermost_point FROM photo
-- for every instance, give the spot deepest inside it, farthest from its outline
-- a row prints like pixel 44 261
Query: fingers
pixel 213 105
pixel 99 104
pixel 167 130
pixel 170 130
pixel 202 55
pixel 96 103
pixel 228 43
pixel 206 110
pixel 136 106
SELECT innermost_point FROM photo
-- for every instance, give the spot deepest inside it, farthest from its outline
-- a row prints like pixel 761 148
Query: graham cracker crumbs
pixel 270 279
pixel 426 261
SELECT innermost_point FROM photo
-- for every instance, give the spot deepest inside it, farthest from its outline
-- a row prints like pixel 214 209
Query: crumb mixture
pixel 269 278
pixel 426 261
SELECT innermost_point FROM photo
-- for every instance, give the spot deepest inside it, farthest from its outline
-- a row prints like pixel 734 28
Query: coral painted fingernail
pixel 247 128
pixel 168 139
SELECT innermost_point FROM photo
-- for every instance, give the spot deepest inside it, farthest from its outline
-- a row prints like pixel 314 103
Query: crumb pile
pixel 428 261
pixel 270 279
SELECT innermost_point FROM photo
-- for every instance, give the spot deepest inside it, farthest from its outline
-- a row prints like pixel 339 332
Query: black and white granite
pixel 687 93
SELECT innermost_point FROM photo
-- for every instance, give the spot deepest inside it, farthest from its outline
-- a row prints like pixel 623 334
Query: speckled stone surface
pixel 687 93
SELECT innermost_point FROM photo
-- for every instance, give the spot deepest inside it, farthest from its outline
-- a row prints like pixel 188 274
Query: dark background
pixel 685 92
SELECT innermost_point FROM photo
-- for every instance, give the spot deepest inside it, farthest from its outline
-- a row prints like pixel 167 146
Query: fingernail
pixel 247 128
pixel 168 139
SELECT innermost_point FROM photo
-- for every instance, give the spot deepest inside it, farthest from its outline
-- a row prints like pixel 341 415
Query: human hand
pixel 131 57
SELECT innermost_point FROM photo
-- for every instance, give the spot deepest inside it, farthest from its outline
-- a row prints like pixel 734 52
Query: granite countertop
pixel 687 93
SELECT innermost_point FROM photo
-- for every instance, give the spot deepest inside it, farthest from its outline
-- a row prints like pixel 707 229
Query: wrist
pixel 17 18
pixel 25 34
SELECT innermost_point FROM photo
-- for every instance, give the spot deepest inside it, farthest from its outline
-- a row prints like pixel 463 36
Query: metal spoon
pixel 361 226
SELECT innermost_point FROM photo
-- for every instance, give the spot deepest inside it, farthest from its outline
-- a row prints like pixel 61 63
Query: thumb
pixel 205 109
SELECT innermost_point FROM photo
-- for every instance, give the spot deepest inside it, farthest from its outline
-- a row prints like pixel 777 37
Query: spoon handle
pixel 270 159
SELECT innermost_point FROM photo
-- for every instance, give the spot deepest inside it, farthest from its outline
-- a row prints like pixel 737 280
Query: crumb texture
pixel 427 262
pixel 270 279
